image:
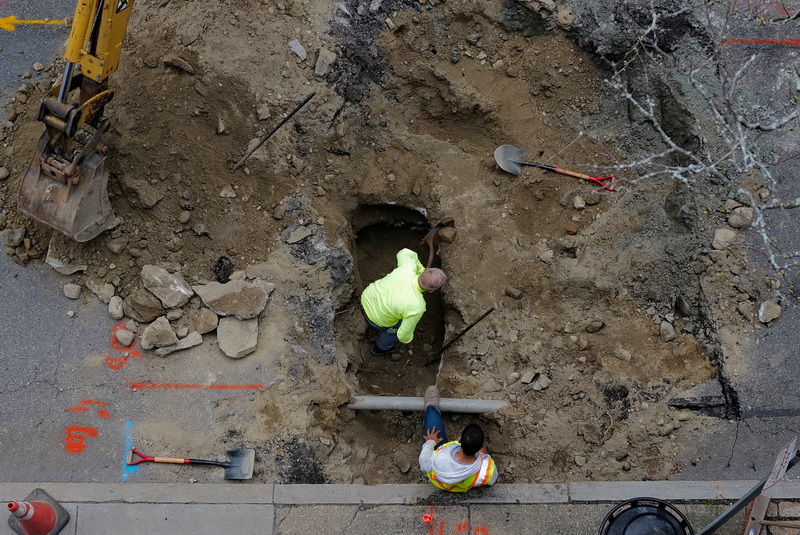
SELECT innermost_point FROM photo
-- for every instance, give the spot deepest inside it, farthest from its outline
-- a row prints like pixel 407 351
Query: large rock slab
pixel 237 338
pixel 159 334
pixel 238 298
pixel 142 306
pixel 193 339
pixel 170 288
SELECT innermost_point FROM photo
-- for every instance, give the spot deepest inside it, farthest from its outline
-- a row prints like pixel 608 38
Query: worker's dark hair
pixel 471 439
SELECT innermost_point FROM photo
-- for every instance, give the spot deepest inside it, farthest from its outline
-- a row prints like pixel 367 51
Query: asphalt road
pixel 29 43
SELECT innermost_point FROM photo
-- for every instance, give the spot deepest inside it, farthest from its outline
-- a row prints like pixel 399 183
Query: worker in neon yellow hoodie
pixel 395 304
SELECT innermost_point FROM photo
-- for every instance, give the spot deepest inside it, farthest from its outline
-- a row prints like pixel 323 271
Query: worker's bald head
pixel 432 279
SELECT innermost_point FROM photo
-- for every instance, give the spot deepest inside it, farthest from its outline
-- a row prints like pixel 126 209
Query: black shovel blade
pixel 240 464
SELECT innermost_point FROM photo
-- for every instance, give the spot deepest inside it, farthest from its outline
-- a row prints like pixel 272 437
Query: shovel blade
pixel 240 464
pixel 507 158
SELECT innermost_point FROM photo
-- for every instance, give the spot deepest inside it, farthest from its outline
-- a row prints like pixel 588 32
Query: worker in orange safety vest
pixel 455 466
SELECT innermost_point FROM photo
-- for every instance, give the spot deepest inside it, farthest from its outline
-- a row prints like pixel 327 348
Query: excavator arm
pixel 65 186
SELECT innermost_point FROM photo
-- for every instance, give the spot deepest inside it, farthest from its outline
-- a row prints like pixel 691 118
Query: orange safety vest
pixel 481 477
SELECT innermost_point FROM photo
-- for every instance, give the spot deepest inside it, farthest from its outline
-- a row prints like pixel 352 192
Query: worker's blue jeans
pixel 433 418
pixel 388 337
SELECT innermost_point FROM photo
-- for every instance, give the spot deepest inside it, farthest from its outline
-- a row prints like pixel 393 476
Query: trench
pixel 380 232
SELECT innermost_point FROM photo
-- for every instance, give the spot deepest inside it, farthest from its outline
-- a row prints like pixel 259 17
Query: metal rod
pixel 268 134
pixel 459 335
pixel 66 82
pixel 399 403
pixel 742 503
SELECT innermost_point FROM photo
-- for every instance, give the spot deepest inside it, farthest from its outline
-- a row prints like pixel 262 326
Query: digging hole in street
pixel 380 232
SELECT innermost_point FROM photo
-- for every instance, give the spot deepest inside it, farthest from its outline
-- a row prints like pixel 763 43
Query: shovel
pixel 238 466
pixel 507 158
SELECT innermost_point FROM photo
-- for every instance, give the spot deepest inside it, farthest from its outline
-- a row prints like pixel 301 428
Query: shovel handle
pixel 596 180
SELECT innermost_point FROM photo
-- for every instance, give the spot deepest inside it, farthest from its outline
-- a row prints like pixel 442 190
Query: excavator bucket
pixel 77 205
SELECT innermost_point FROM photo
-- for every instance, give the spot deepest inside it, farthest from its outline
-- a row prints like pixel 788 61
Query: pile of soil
pixel 600 319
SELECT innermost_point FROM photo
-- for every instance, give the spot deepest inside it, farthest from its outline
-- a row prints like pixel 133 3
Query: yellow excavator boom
pixel 65 186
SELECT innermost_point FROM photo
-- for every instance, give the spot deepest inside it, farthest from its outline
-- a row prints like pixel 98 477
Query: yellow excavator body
pixel 65 186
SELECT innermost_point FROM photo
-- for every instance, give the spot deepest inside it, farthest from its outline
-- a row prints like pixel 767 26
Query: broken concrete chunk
pixel 72 291
pixel 238 298
pixel 115 308
pixel 13 237
pixel 170 288
pixel 769 311
pixel 192 339
pixel 723 238
pixel 177 62
pixel 158 334
pixel 103 290
pixel 325 60
pixel 298 49
pixel 142 306
pixel 206 321
pixel 237 338
pixel 124 337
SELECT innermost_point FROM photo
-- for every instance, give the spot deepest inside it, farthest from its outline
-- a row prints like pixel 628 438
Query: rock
pixel 513 292
pixel 116 245
pixel 540 381
pixel 622 354
pixel 723 238
pixel 177 62
pixel 297 48
pixel 527 377
pixel 578 203
pixel 4 173
pixel 263 112
pixel 741 217
pixel 594 326
pixel 142 306
pixel 447 234
pixel 13 237
pixel 170 288
pixel 227 192
pixel 667 331
pixel 103 290
pixel 174 314
pixel 325 60
pixel 769 310
pixel 193 339
pixel 237 338
pixel 182 332
pixel 299 234
pixel 235 298
pixel 124 337
pixel 115 308
pixel 185 216
pixel 158 334
pixel 544 253
pixel 72 291
pixel 280 212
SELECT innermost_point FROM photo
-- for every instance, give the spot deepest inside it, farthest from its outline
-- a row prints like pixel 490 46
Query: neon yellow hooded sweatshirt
pixel 397 296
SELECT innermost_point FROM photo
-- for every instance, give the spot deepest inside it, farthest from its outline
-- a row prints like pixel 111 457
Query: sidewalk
pixel 255 509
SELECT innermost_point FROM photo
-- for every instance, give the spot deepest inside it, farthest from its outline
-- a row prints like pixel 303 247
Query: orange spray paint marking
pixel 116 363
pixel 75 442
pixel 760 42
pixel 102 413
pixel 464 526
pixel 203 387
pixel 481 531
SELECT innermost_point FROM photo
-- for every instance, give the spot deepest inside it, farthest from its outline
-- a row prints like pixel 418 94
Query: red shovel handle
pixel 146 458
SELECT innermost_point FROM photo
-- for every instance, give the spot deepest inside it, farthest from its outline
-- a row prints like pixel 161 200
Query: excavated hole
pixel 380 232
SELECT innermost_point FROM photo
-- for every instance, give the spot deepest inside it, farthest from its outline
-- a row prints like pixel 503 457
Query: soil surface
pixel 399 136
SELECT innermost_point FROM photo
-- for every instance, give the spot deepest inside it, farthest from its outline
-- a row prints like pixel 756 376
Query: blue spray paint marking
pixel 126 468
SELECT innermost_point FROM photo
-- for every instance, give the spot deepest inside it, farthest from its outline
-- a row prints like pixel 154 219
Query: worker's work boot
pixel 375 350
pixel 432 396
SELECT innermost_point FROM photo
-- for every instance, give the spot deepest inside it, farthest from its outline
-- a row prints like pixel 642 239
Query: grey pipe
pixel 398 403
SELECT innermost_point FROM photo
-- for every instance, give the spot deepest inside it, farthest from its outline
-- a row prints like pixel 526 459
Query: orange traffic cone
pixel 35 518
pixel 38 514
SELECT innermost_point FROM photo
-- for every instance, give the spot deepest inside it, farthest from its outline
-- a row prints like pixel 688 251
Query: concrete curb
pixel 515 494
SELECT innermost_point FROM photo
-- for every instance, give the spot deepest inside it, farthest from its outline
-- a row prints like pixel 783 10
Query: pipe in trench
pixel 399 403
